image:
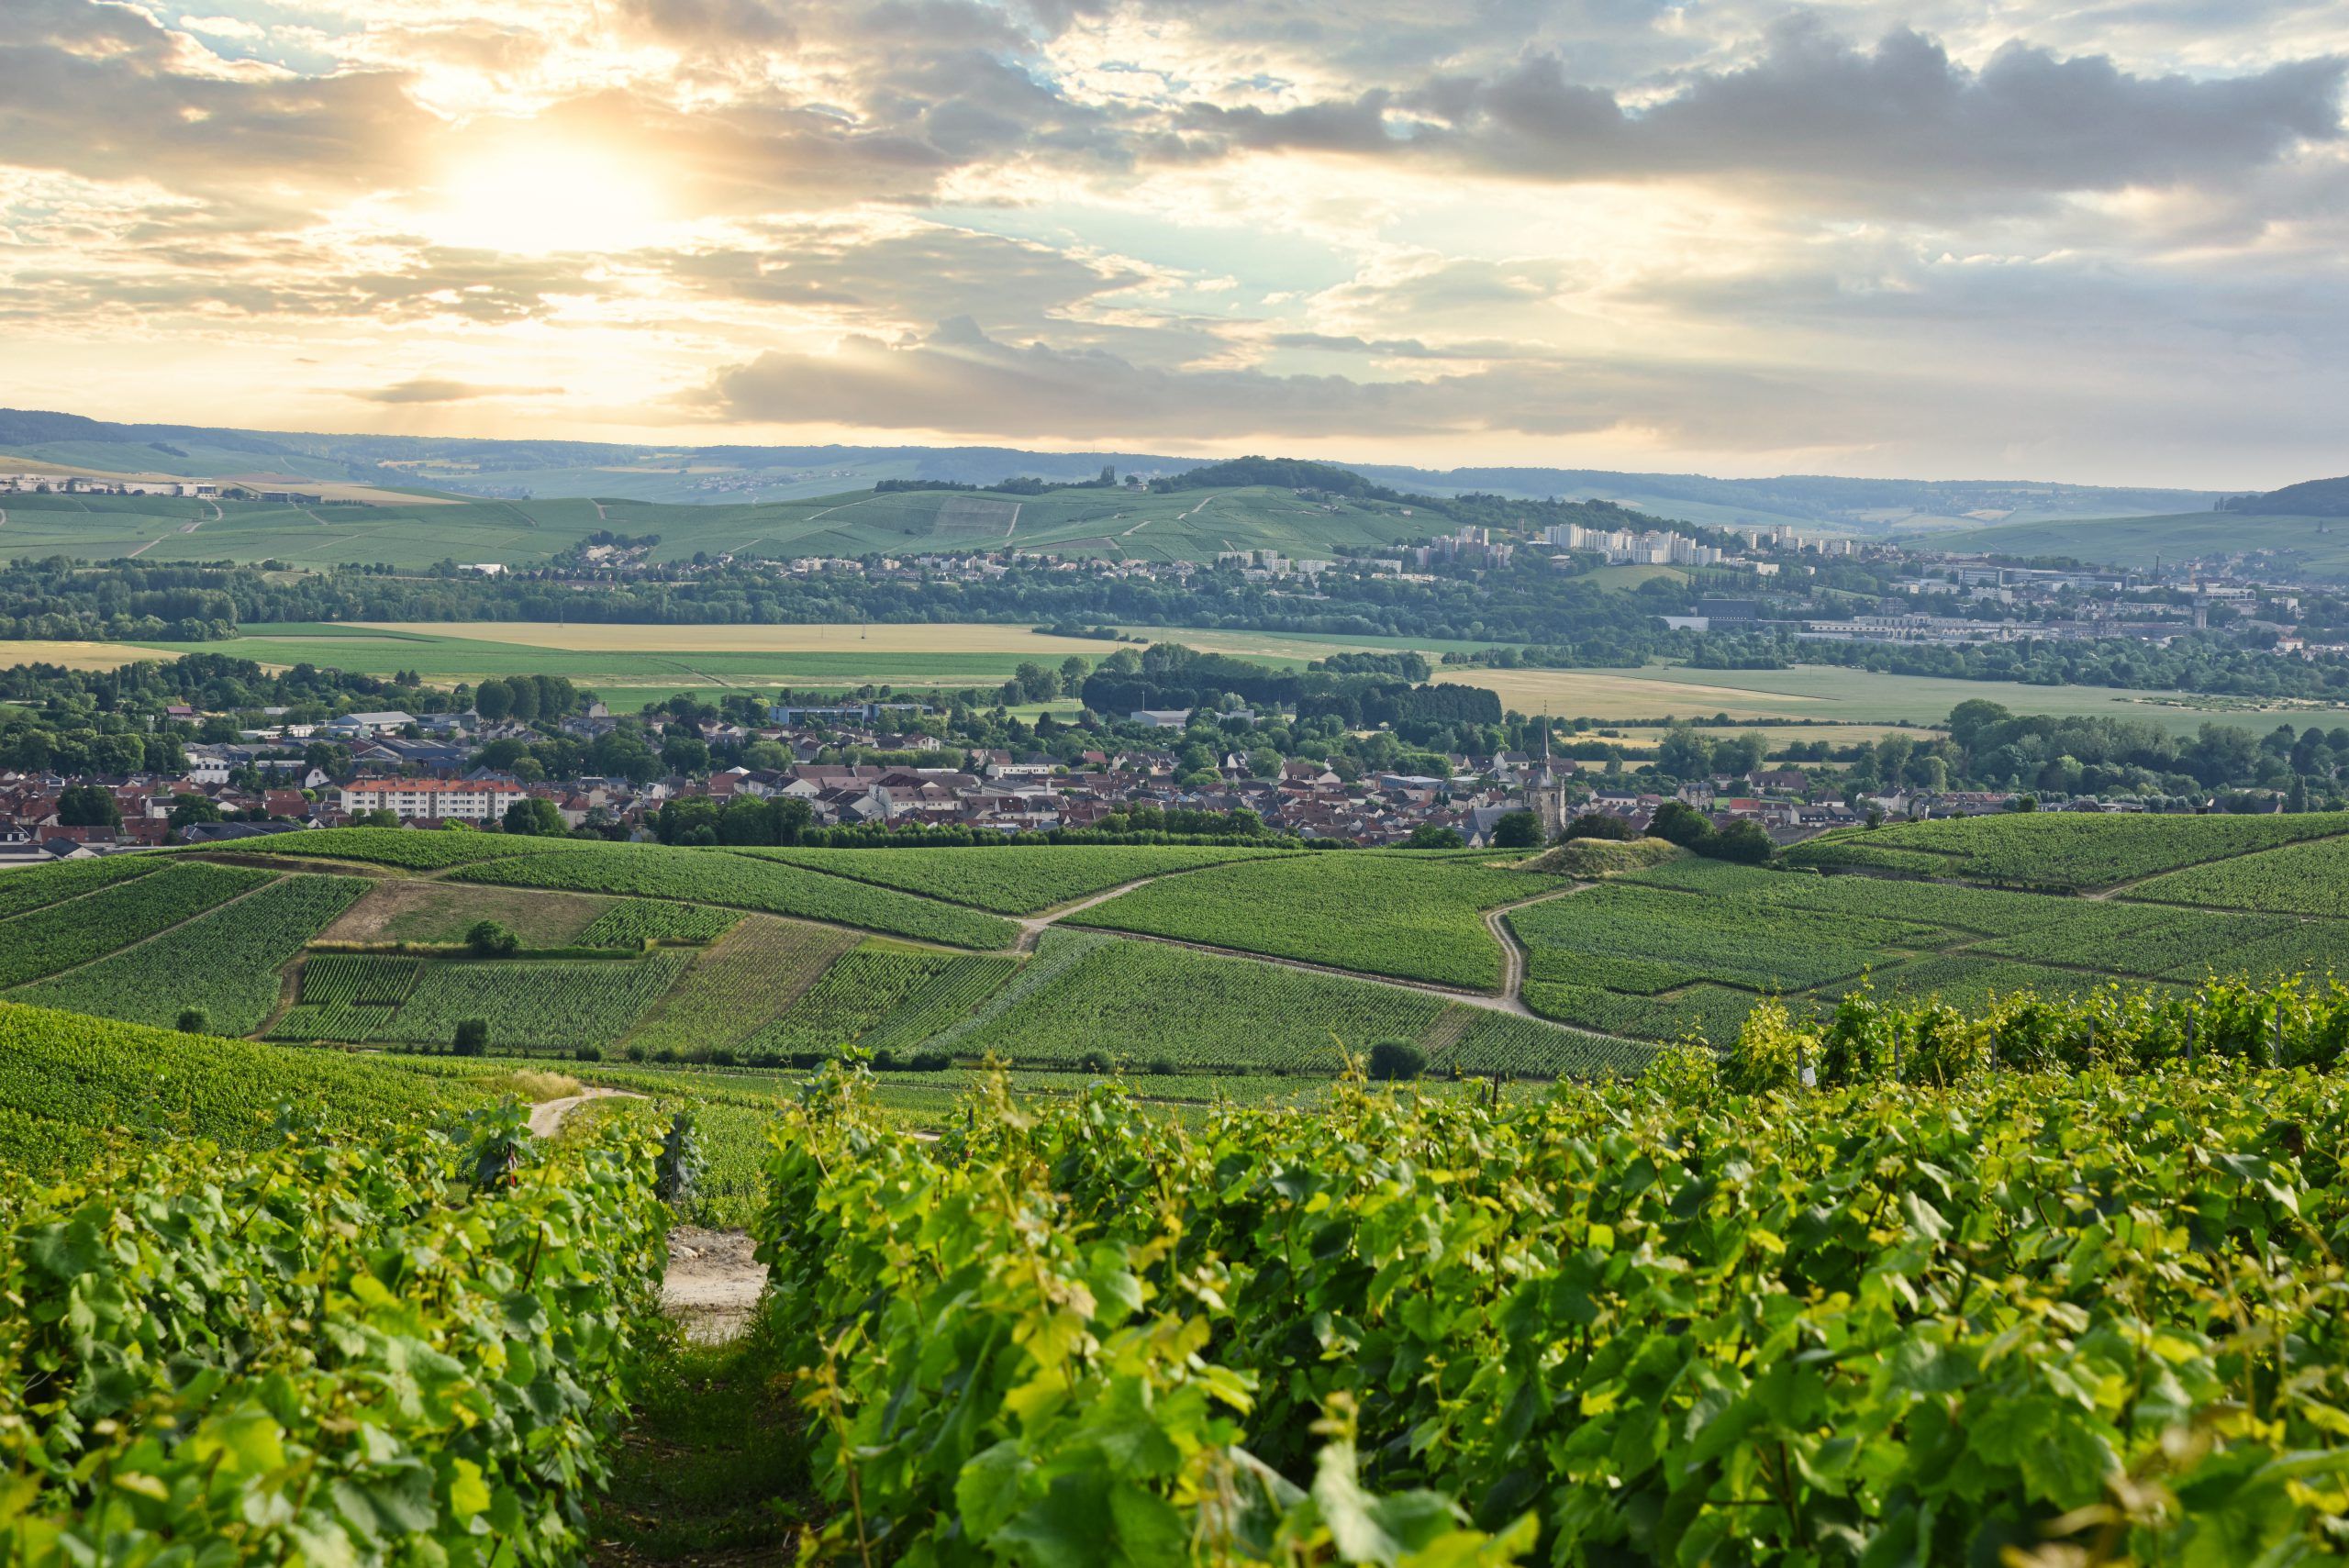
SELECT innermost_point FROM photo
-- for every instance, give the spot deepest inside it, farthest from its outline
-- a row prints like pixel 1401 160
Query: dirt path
pixel 712 1283
pixel 1032 927
pixel 1512 950
pixel 546 1116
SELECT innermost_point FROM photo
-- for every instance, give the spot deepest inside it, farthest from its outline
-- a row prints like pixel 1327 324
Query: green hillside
pixel 2315 547
pixel 411 534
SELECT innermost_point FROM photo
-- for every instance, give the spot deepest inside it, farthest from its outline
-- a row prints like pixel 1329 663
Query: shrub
pixel 487 939
pixel 193 1020
pixel 929 1061
pixel 588 1053
pixel 1396 1060
pixel 1094 1061
pixel 473 1037
pixel 1599 825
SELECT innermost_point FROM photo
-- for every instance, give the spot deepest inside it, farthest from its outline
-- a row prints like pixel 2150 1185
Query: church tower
pixel 1545 793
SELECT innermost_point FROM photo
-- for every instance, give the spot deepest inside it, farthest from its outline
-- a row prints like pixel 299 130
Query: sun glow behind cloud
pixel 1733 237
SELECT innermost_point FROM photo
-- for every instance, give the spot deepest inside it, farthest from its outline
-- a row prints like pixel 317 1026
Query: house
pixel 1161 717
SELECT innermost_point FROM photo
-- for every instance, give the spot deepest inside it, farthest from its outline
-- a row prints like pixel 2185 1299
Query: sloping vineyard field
pixel 1377 913
pixel 407 849
pixel 63 935
pixel 1760 943
pixel 948 995
pixel 224 962
pixel 1015 879
pixel 1504 1042
pixel 2060 852
pixel 2304 879
pixel 741 881
pixel 734 987
pixel 1144 1002
pixel 633 922
pixel 33 888
pixel 533 1005
pixel 861 992
pixel 71 1085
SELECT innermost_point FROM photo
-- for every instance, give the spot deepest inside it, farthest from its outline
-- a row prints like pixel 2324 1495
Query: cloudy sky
pixel 2101 240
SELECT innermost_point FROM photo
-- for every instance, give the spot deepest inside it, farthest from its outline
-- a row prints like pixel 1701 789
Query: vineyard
pixel 224 964
pixel 1145 1001
pixel 527 1004
pixel 1630 1324
pixel 868 988
pixel 35 887
pixel 736 988
pixel 409 848
pixel 72 1086
pixel 638 922
pixel 346 1347
pixel 1015 880
pixel 60 936
pixel 1410 916
pixel 2303 879
pixel 2058 852
pixel 713 877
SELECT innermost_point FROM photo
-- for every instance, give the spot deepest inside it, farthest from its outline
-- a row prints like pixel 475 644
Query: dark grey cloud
pixel 1815 110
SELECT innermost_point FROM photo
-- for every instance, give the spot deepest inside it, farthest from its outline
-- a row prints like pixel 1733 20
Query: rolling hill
pixel 2311 546
pixel 741 476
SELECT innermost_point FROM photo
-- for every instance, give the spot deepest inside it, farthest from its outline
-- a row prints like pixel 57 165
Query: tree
pixel 193 1020
pixel 493 699
pixel 2023 803
pixel 1036 683
pixel 1264 762
pixel 1683 754
pixel 2297 797
pixel 1518 831
pixel 1600 825
pixel 488 939
pixel 538 817
pixel 1435 835
pixel 1396 1060
pixel 685 754
pixel 1074 669
pixel 473 1038
pixel 1742 840
pixel 191 809
pixel 88 806
pixel 379 818
pixel 1678 822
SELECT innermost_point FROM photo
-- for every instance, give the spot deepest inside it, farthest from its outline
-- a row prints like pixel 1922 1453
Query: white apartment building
pixel 445 798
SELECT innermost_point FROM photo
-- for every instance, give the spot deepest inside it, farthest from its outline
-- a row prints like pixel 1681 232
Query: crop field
pixel 1756 943
pixel 1144 1002
pixel 35 887
pixel 736 986
pixel 634 922
pixel 63 935
pixel 1859 696
pixel 70 1085
pixel 1979 910
pixel 1014 879
pixel 531 1005
pixel 1505 1043
pixel 224 962
pixel 2059 852
pixel 946 997
pixel 1410 916
pixel 863 990
pixel 2146 939
pixel 409 848
pixel 741 881
pixel 427 910
pixel 2302 879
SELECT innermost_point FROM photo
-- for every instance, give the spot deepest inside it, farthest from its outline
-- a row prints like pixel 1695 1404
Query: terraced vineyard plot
pixel 1392 913
pixel 2304 879
pixel 1980 911
pixel 1058 950
pixel 716 877
pixel 1503 1042
pixel 2139 940
pixel 365 980
pixel 2061 852
pixel 732 990
pixel 410 849
pixel 951 994
pixel 1757 943
pixel 1017 879
pixel 1711 1012
pixel 35 887
pixel 1145 1001
pixel 1969 983
pixel 636 921
pixel 63 935
pixel 2310 947
pixel 534 1005
pixel 859 993
pixel 224 962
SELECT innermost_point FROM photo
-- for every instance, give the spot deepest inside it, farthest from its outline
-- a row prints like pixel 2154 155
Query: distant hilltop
pixel 2310 499
pixel 552 470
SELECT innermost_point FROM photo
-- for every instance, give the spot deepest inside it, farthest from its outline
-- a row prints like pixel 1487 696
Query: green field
pixel 2313 547
pixel 416 533
pixel 659 955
